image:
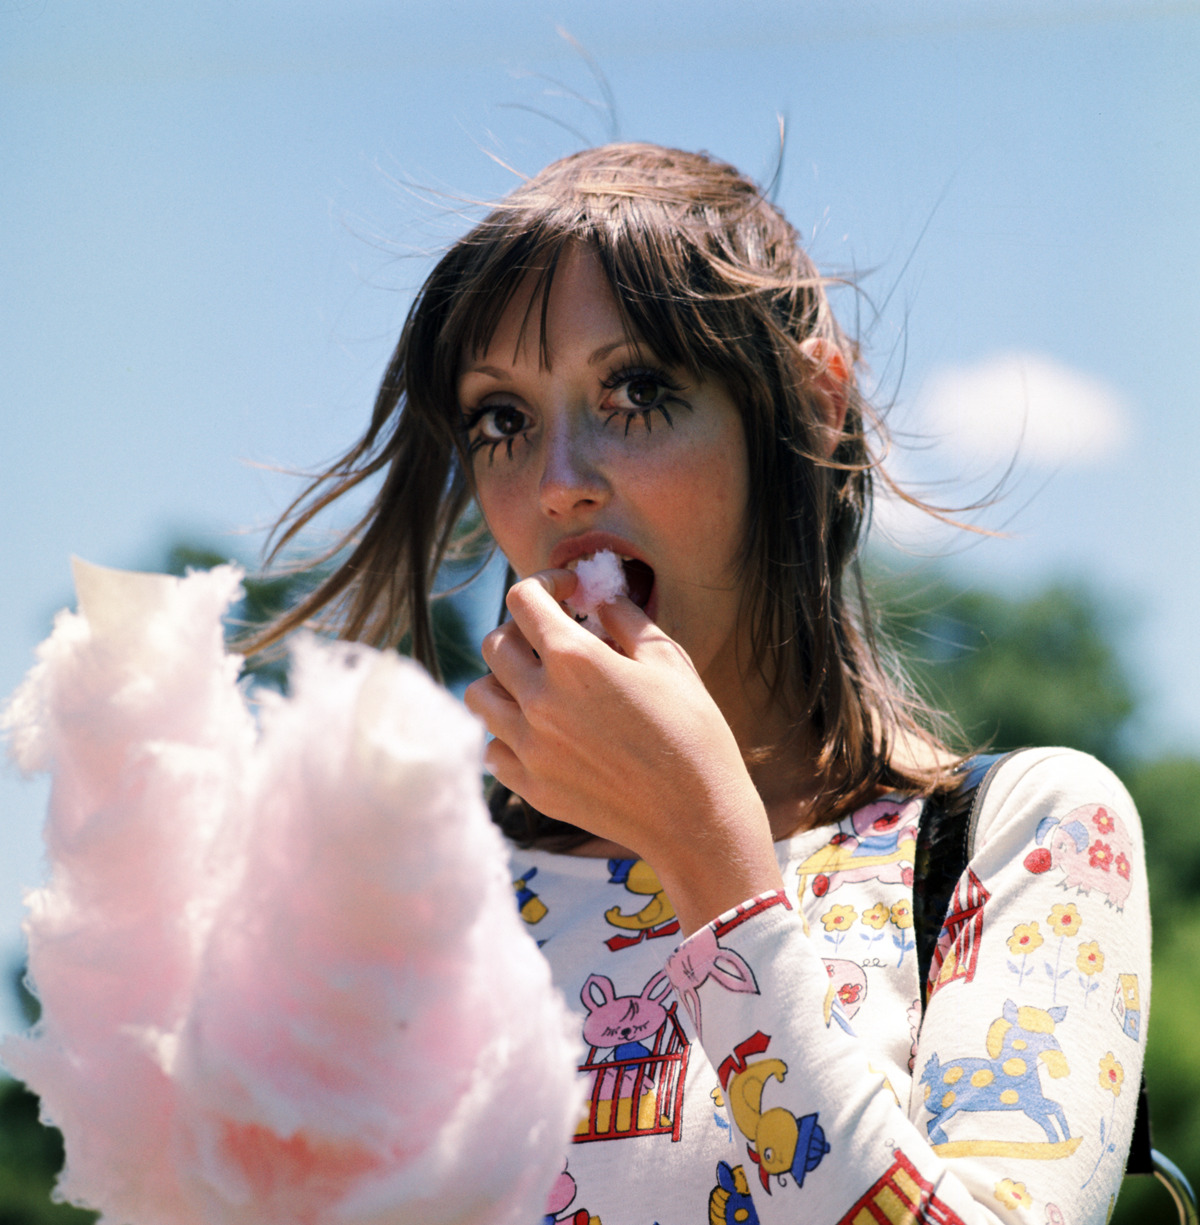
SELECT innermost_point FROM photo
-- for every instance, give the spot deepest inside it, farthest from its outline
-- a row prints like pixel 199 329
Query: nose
pixel 572 476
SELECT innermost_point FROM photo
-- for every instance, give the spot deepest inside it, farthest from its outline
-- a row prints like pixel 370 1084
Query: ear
pixel 832 379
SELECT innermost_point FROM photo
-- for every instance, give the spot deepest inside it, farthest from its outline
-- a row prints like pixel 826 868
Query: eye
pixel 643 391
pixel 493 425
pixel 639 394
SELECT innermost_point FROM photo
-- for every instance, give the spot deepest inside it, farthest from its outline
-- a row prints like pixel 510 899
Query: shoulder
pixel 1059 802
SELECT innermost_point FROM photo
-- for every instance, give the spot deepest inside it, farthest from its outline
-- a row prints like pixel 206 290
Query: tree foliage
pixel 1013 672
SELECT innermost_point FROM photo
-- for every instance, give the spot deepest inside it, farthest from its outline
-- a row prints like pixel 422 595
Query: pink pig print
pixel 1091 846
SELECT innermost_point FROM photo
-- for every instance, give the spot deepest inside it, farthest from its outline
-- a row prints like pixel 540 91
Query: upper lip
pixel 587 543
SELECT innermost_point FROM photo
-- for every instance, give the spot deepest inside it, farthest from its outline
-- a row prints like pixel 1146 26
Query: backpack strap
pixel 945 840
pixel 944 837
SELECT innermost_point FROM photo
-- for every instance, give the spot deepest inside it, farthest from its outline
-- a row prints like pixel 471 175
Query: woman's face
pixel 600 447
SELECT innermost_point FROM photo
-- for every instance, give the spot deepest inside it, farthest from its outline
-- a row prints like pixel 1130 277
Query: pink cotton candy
pixel 282 973
pixel 601 580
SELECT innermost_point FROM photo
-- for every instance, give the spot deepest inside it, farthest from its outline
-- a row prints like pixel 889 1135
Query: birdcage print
pixel 637 1095
pixel 901 1197
pixel 957 953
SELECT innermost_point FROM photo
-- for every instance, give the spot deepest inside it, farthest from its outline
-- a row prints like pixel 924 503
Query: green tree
pixel 1013 672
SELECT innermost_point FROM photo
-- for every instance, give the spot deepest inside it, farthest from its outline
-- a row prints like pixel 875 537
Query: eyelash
pixel 471 419
pixel 649 374
pixel 629 374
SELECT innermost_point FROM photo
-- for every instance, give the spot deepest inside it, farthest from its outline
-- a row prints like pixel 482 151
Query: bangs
pixel 525 262
pixel 706 283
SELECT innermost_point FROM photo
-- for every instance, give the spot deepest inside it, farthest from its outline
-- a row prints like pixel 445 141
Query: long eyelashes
pixel 631 394
pixel 646 414
pixel 470 421
pixel 648 378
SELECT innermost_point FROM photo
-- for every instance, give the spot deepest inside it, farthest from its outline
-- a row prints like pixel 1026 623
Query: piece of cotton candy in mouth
pixel 600 580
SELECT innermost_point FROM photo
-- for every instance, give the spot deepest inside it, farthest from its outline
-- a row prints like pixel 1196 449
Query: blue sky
pixel 213 214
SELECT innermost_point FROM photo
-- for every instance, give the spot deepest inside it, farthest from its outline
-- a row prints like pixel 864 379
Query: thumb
pixel 627 625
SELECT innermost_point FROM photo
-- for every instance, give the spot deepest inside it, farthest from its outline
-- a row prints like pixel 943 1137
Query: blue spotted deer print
pixel 1008 1079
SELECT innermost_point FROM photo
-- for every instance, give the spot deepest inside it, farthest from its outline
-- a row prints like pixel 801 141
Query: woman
pixel 632 353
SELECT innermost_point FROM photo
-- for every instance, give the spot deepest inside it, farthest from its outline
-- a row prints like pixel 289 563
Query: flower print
pixel 1112 1075
pixel 839 919
pixel 877 916
pixel 848 993
pixel 1090 960
pixel 1103 821
pixel 882 824
pixel 902 917
pixel 1025 939
pixel 1013 1195
pixel 1122 865
pixel 1100 856
pixel 1065 920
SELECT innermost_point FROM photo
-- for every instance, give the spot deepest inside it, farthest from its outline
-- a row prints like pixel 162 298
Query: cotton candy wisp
pixel 282 974
pixel 600 580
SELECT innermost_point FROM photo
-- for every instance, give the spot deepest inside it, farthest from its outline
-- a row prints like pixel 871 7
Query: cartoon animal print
pixel 702 958
pixel 901 1197
pixel 637 1061
pixel 656 918
pixel 956 954
pixel 531 907
pixel 847 990
pixel 623 1022
pixel 730 1202
pixel 780 1143
pixel 1006 1080
pixel 559 1200
pixel 880 843
pixel 1091 846
pixel 1127 1005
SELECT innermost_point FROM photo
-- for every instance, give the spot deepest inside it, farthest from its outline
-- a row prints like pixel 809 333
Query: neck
pixel 779 756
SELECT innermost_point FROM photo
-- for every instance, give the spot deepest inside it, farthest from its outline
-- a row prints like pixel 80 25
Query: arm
pixel 1029 1054
pixel 628 745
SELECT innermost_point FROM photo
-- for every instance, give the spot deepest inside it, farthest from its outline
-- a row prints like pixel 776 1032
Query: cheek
pixel 708 502
pixel 506 509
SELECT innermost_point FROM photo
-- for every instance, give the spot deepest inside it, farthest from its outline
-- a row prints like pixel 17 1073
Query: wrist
pixel 716 865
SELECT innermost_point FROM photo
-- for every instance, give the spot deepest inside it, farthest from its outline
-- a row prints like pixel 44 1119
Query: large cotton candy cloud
pixel 282 974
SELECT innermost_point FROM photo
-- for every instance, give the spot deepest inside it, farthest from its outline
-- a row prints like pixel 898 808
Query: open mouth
pixel 605 574
pixel 639 578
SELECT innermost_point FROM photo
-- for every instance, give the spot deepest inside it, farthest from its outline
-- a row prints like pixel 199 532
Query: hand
pixel 627 744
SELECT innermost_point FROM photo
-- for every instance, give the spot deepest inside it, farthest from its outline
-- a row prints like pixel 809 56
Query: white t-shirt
pixel 776 1065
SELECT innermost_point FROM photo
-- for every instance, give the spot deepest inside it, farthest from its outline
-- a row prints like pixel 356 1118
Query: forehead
pixel 553 312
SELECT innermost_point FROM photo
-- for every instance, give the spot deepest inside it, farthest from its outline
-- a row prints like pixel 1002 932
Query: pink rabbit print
pixel 703 958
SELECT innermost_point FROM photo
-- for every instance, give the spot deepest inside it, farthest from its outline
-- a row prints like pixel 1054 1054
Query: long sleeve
pixel 1026 1063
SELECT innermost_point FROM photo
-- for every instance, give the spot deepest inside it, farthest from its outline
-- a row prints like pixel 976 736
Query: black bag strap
pixel 945 838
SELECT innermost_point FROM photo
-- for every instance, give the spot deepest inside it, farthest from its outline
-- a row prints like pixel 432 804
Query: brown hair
pixel 714 278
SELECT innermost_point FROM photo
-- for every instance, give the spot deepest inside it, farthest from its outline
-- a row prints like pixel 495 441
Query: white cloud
pixel 1023 406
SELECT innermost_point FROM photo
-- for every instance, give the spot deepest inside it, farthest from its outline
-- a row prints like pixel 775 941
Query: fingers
pixel 488 701
pixel 633 632
pixel 508 654
pixel 536 605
